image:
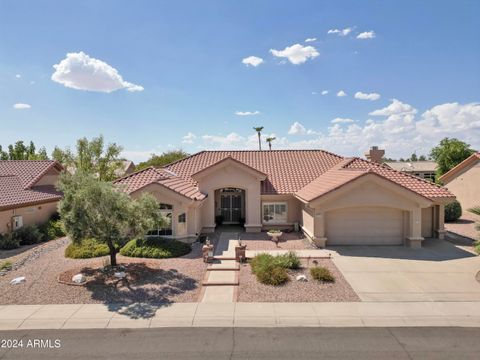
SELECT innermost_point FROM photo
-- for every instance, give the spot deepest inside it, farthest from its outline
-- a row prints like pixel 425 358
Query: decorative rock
pixel 18 280
pixel 301 278
pixel 120 274
pixel 79 279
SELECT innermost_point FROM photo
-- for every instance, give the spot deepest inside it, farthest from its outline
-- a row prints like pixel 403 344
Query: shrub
pixel 28 235
pixel 322 274
pixel 289 260
pixel 155 248
pixel 6 265
pixel 52 229
pixel 272 270
pixel 275 275
pixel 453 211
pixel 8 242
pixel 87 248
pixel 476 246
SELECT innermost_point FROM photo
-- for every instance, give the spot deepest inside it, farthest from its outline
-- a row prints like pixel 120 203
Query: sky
pixel 154 76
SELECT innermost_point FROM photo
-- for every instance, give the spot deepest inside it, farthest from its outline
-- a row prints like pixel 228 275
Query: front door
pixel 231 207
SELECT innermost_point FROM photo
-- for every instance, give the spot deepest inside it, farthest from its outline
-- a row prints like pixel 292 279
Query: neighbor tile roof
pixel 18 179
pixel 150 175
pixel 308 173
pixel 449 175
pixel 413 166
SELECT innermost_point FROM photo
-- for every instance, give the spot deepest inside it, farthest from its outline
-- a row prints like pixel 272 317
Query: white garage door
pixel 365 226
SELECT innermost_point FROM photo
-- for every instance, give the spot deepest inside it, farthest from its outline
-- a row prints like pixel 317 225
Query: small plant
pixel 274 231
pixel 6 265
pixel 8 242
pixel 28 235
pixel 476 246
pixel 272 270
pixel 322 274
pixel 156 248
pixel 87 248
pixel 289 260
pixel 275 276
pixel 453 211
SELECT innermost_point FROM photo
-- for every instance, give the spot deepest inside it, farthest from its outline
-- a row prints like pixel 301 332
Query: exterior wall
pixel 427 222
pixel 465 186
pixel 180 205
pixel 32 215
pixel 229 175
pixel 50 178
pixel 308 218
pixel 294 210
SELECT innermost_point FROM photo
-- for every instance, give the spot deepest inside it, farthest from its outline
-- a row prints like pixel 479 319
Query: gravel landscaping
pixel 288 241
pixel 250 290
pixel 148 280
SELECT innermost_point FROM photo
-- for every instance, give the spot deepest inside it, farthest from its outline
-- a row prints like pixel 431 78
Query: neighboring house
pixel 27 192
pixel 423 169
pixel 127 167
pixel 464 181
pixel 335 200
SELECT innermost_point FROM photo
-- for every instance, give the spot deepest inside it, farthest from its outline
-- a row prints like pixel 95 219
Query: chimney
pixel 375 154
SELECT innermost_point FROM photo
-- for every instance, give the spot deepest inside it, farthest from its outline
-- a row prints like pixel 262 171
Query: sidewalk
pixel 357 314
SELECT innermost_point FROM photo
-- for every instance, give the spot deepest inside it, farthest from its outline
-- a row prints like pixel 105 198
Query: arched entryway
pixel 230 206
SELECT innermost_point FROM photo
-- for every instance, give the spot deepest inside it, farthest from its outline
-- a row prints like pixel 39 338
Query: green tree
pixel 163 159
pixel 91 157
pixel 259 129
pixel 19 151
pixel 269 141
pixel 91 208
pixel 449 153
pixel 413 157
pixel 422 158
pixel 3 154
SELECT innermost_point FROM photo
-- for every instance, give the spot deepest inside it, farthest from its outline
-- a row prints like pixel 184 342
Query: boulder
pixel 120 274
pixel 301 278
pixel 79 279
pixel 18 280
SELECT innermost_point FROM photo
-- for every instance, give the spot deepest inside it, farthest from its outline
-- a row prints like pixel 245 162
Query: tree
pixel 91 208
pixel 449 153
pixel 413 157
pixel 163 159
pixel 422 158
pixel 19 151
pixel 92 157
pixel 259 129
pixel 269 141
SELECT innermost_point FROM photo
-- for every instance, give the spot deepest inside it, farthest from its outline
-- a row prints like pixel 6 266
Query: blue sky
pixel 415 70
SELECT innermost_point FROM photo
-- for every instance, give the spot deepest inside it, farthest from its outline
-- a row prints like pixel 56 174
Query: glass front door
pixel 231 207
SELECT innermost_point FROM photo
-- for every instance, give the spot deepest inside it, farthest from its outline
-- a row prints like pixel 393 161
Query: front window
pixel 166 210
pixel 275 212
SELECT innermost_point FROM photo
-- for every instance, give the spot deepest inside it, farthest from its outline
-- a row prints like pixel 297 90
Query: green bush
pixel 322 274
pixel 5 265
pixel 289 260
pixel 87 248
pixel 275 276
pixel 7 242
pixel 272 270
pixel 476 246
pixel 453 211
pixel 28 235
pixel 52 229
pixel 155 248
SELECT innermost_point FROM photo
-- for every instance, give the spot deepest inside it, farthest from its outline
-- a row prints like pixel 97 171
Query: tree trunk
pixel 259 142
pixel 113 253
pixel 270 145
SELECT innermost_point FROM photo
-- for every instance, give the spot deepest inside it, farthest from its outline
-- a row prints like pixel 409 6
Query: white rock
pixel 301 278
pixel 120 274
pixel 79 278
pixel 18 280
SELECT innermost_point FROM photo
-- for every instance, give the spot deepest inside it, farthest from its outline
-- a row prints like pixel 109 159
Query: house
pixel 127 167
pixel 423 169
pixel 27 192
pixel 335 200
pixel 464 181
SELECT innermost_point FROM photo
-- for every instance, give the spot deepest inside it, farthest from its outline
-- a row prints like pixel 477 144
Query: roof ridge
pixel 185 158
pixel 134 173
pixel 52 164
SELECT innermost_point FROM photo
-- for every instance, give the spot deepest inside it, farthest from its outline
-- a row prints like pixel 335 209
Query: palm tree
pixel 259 132
pixel 269 141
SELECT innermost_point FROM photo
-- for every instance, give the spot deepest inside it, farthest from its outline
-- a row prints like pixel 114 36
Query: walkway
pixel 357 314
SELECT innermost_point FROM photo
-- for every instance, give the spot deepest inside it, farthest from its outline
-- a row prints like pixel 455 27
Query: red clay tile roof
pixel 150 175
pixel 307 173
pixel 28 171
pixel 451 174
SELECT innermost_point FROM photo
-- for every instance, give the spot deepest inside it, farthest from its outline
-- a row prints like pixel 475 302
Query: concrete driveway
pixel 439 271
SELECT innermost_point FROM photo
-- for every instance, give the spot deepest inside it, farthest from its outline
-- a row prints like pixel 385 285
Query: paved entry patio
pixel 439 271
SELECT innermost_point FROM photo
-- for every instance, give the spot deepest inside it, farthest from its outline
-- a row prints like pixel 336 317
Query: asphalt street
pixel 243 343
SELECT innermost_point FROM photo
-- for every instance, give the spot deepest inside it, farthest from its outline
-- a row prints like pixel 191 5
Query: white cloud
pixel 364 96
pixel 82 72
pixel 395 108
pixel 247 113
pixel 21 106
pixel 296 54
pixel 298 129
pixel 231 139
pixel 339 120
pixel 366 35
pixel 189 138
pixel 341 93
pixel 310 39
pixel 340 32
pixel 324 92
pixel 314 93
pixel 18 76
pixel 252 61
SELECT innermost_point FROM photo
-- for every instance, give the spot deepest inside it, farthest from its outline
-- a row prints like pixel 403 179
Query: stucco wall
pixel 32 215
pixel 50 178
pixel 466 187
pixel 294 207
pixel 307 220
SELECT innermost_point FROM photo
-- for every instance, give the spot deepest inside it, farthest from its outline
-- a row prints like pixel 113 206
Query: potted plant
pixel 274 234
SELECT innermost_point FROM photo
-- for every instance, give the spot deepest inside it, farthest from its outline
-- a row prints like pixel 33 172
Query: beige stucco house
pixel 464 181
pixel 27 192
pixel 334 200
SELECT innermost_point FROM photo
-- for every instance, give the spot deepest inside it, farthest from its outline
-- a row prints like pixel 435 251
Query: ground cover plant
pixel 155 248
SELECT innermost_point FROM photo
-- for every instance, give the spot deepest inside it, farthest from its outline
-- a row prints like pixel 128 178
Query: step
pixel 227 265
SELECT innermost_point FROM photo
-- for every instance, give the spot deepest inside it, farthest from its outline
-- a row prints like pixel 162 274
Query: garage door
pixel 365 226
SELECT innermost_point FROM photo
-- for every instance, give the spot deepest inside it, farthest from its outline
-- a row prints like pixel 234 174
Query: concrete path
pixel 357 314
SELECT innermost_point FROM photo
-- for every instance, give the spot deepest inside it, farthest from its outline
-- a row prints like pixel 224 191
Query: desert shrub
pixel 322 274
pixel 28 235
pixel 87 248
pixel 271 270
pixel 7 242
pixel 155 248
pixel 52 229
pixel 453 211
pixel 289 260
pixel 476 246
pixel 5 265
pixel 275 275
